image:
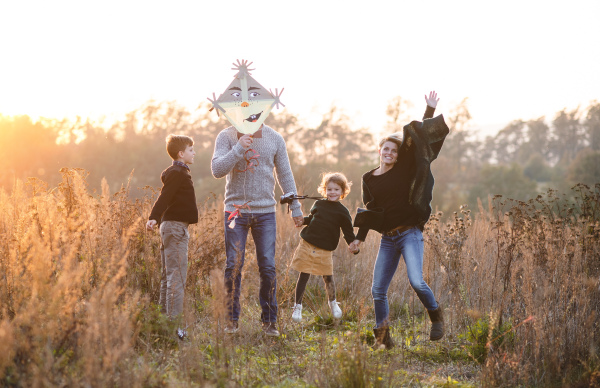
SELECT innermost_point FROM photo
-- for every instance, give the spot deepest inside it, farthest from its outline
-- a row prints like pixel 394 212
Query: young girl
pixel 320 238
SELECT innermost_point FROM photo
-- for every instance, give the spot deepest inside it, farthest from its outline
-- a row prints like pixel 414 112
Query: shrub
pixel 482 337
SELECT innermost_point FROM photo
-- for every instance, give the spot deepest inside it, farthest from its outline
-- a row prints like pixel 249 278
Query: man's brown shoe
pixel 270 329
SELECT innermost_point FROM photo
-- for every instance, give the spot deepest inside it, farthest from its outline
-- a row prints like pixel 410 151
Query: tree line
pixel 524 158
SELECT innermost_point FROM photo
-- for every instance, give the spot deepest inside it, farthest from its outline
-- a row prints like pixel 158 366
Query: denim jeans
pixel 263 228
pixel 409 245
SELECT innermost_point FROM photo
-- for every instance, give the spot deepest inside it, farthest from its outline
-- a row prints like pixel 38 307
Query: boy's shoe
pixel 232 327
pixel 270 329
pixel 181 333
pixel 297 313
pixel 335 309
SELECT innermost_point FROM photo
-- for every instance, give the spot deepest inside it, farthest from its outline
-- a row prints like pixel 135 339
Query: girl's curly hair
pixel 337 178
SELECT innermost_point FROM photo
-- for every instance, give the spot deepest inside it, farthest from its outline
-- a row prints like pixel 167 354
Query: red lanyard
pixel 237 210
pixel 251 161
pixel 251 158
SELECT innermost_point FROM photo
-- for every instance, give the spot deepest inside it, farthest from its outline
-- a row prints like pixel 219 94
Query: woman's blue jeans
pixel 409 245
pixel 264 231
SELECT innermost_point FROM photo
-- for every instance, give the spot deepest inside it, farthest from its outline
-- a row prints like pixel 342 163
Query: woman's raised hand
pixel 432 100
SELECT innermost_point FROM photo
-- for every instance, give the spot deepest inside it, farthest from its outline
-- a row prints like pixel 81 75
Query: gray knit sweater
pixel 257 186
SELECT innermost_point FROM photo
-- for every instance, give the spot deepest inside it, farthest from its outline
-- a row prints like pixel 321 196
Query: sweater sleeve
pixel 225 157
pixel 347 228
pixel 172 182
pixel 285 177
pixel 362 234
pixel 367 200
pixel 366 194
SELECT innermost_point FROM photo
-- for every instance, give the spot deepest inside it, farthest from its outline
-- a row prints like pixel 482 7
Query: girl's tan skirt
pixel 313 260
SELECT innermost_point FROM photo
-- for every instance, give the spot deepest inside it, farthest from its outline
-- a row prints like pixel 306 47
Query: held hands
pixel 432 100
pixel 150 224
pixel 354 246
pixel 298 221
pixel 246 141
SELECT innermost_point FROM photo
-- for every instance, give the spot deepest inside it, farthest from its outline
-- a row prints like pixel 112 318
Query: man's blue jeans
pixel 263 228
pixel 409 245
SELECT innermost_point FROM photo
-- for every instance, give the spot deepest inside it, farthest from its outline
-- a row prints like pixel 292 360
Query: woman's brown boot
pixel 383 338
pixel 437 323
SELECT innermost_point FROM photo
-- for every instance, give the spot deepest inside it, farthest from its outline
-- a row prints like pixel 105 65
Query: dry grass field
pixel 79 284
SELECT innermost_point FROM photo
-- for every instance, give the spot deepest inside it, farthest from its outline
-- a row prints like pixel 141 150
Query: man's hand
pixel 246 141
pixel 150 224
pixel 432 100
pixel 299 221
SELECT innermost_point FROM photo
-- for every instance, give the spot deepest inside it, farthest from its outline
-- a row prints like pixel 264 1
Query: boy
pixel 175 209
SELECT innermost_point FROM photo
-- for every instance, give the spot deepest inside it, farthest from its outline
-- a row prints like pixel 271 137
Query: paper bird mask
pixel 245 102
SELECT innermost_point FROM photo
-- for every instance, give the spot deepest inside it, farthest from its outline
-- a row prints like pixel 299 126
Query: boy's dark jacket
pixel 424 140
pixel 177 199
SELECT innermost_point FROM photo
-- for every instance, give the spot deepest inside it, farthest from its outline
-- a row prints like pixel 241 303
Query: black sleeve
pixel 368 202
pixel 366 193
pixel 347 228
pixel 309 218
pixel 171 184
pixel 428 112
pixel 362 233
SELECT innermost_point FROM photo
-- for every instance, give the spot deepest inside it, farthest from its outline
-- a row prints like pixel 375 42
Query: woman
pixel 399 191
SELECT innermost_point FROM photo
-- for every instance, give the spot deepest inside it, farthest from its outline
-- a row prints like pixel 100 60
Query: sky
pixel 512 59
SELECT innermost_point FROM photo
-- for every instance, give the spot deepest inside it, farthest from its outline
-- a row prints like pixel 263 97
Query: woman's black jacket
pixel 424 141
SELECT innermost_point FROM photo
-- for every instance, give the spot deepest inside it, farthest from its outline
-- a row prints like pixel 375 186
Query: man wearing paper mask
pixel 246 154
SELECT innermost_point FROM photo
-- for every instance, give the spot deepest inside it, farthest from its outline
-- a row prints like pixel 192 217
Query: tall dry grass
pixel 534 266
pixel 80 283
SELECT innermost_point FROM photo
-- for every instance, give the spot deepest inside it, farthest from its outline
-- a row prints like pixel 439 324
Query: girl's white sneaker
pixel 335 309
pixel 297 313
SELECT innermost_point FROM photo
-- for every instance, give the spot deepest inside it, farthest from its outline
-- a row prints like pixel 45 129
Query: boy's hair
pixel 176 143
pixel 395 138
pixel 339 179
